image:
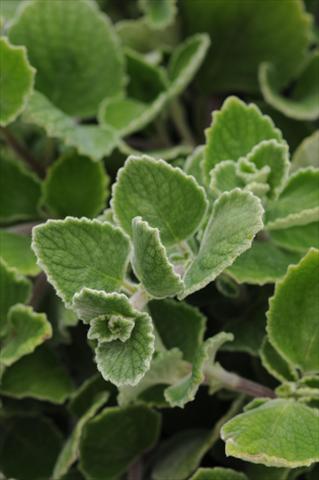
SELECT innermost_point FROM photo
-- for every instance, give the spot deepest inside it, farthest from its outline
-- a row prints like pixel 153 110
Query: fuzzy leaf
pixel 303 102
pixel 178 325
pixel 235 220
pixel 75 186
pixel 16 81
pixel 105 329
pixel 280 433
pixel 125 363
pixel 218 473
pixel 39 375
pixel 306 155
pixel 224 177
pixel 167 368
pixel 16 252
pixel 232 63
pixel 90 140
pixel 262 263
pixel 162 195
pixel 74 71
pixel 150 261
pixel 185 390
pixel 14 289
pixel 158 13
pixel 297 239
pixel 194 164
pixel 236 129
pixel 77 253
pixel 70 451
pixel 294 311
pixel 275 364
pixel 26 330
pixel 84 397
pixel 298 202
pixel 30 447
pixel 185 61
pixel 24 204
pixel 114 439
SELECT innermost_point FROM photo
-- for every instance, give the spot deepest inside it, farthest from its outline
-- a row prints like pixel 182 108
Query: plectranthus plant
pixel 159 240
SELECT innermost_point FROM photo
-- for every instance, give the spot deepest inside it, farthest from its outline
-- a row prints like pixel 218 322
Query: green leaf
pixel 75 186
pixel 280 433
pixel 14 289
pixel 26 330
pixel 70 451
pixel 167 368
pixel 181 454
pixel 224 177
pixel 275 364
pixel 89 140
pixel 298 202
pixel 178 325
pixel 297 239
pixel 30 448
pixel 151 263
pixel 162 195
pixel 125 363
pixel 185 62
pixel 16 81
pixel 218 473
pixel 236 129
pixel 244 34
pixel 158 13
pixel 194 164
pixel 293 310
pixel 16 252
pixel 306 155
pixel 185 390
pixel 9 8
pixel 39 375
pixel 87 393
pixel 75 72
pixel 114 439
pixel 303 101
pixel 24 204
pixel 263 263
pixel 107 330
pixel 234 221
pixel 77 253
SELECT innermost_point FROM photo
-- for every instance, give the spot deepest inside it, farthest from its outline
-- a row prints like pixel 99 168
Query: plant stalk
pixel 139 299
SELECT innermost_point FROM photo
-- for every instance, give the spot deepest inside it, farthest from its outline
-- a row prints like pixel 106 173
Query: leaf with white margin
pixel 279 433
pixel 236 129
pixel 158 14
pixel 275 155
pixel 104 329
pixel 275 364
pixel 303 101
pixel 77 253
pixel 16 252
pixel 150 261
pixel 70 451
pixel 298 203
pixel 297 239
pixel 16 81
pixel 167 368
pixel 93 141
pixel 306 155
pixel 26 331
pixel 185 390
pixel 218 473
pixel 164 196
pixel 294 308
pixel 14 289
pixel 74 71
pixel 263 263
pixel 224 177
pixel 234 221
pixel 115 438
pixel 40 375
pixel 185 62
pixel 194 164
pixel 125 363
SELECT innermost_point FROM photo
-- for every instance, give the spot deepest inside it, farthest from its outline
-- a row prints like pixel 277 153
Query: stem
pixel 129 287
pixel 139 299
pixel 135 471
pixel 23 228
pixel 21 151
pixel 179 118
pixel 232 381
